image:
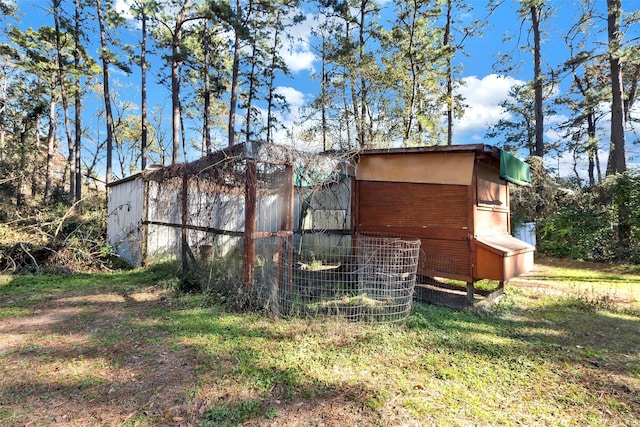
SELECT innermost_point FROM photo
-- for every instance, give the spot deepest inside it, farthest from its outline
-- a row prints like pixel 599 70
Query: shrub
pixel 587 223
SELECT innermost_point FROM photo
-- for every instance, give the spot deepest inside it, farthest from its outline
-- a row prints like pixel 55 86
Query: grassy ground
pixel 561 348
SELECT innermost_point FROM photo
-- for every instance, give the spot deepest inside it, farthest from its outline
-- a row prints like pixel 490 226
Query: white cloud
pixel 123 7
pixel 482 97
pixel 294 97
pixel 297 53
pixel 299 59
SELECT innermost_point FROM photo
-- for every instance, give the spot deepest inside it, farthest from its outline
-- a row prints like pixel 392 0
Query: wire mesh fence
pixel 277 233
pixel 364 277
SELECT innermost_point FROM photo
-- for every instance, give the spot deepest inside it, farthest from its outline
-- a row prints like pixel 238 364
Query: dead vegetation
pixel 58 240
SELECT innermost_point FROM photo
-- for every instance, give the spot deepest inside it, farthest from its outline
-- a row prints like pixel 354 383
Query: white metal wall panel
pixel 124 224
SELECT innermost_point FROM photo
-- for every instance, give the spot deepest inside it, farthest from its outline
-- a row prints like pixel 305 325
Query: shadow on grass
pixel 173 354
pixel 580 328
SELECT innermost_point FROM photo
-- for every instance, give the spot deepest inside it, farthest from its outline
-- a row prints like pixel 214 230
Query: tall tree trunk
pixel 235 70
pixel 351 77
pixel 364 141
pixel 51 139
pixel 323 94
pixel 65 102
pixel 250 97
pixel 3 103
pixel 592 147
pixel 143 77
pixel 537 81
pixel 617 157
pixel 106 93
pixel 22 161
pixel 176 62
pixel 183 136
pixel 410 111
pixel 449 71
pixel 206 122
pixel 35 161
pixel 272 77
pixel 78 109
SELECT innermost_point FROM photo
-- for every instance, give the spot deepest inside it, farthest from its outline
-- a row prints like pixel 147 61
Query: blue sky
pixel 483 87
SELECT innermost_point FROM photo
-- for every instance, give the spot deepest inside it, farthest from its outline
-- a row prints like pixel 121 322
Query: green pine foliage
pixel 587 222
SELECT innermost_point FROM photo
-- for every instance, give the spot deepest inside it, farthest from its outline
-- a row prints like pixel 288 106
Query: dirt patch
pixel 78 362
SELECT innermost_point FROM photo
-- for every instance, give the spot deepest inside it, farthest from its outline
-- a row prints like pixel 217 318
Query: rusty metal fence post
pixel 249 246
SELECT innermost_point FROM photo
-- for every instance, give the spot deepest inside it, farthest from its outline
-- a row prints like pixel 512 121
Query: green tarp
pixel 313 177
pixel 513 169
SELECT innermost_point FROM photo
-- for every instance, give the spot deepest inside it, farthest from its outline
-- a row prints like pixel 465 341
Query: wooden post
pixel 287 216
pixel 249 252
pixel 470 293
pixel 185 215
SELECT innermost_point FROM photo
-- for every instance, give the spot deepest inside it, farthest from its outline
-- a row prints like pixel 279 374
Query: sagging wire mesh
pixel 195 210
pixel 200 212
pixel 364 277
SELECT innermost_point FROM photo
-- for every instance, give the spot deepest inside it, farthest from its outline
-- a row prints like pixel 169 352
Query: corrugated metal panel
pixel 124 225
pixel 526 232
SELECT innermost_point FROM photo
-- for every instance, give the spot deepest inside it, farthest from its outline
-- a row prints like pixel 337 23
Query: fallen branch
pixel 29 254
pixel 65 216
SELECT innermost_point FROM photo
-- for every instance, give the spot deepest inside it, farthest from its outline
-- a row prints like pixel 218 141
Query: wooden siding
pixel 438 214
pixel 388 205
pixel 491 222
pixel 491 190
pixel 502 258
pixel 427 168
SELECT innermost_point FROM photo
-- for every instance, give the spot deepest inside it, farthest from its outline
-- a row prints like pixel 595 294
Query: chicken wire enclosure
pixel 279 232
pixel 364 277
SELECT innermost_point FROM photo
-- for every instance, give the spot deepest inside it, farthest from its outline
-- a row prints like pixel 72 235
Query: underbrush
pixel 58 239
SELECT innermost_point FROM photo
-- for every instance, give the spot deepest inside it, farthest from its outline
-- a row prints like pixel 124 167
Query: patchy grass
pixel 562 347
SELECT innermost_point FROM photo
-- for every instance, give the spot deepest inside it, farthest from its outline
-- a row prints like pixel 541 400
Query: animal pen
pixel 346 234
pixel 281 227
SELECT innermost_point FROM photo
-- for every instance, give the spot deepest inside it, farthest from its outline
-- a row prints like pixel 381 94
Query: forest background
pixel 91 91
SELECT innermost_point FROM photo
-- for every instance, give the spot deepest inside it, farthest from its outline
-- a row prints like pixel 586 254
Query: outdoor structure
pixel 274 225
pixel 455 199
pixel 347 234
pixel 148 217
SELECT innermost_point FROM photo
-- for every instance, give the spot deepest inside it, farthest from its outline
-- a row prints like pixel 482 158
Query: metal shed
pixel 455 199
